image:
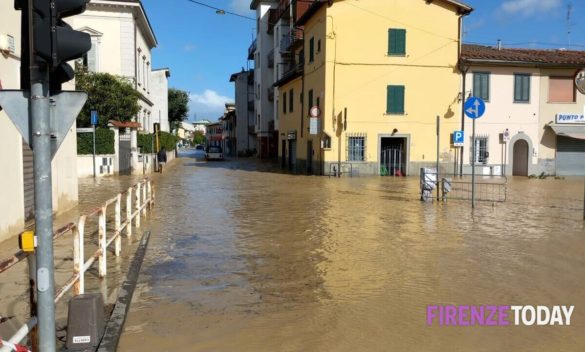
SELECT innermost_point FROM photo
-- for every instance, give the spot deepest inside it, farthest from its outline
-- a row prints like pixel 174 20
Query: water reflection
pixel 251 260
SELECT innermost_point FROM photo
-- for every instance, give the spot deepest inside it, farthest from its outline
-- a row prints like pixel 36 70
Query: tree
pixel 198 138
pixel 114 98
pixel 178 107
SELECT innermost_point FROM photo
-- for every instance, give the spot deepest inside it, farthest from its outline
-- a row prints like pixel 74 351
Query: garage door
pixel 570 156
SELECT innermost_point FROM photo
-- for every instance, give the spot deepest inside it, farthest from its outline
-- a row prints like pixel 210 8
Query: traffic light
pixel 54 42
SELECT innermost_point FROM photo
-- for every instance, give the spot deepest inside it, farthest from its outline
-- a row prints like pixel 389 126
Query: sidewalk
pixel 14 282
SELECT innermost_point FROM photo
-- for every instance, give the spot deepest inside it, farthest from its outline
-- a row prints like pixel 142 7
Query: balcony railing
pixel 252 50
pixel 289 39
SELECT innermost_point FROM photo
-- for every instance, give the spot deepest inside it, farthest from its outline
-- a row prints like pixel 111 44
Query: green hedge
pixel 145 143
pixel 104 142
pixel 167 140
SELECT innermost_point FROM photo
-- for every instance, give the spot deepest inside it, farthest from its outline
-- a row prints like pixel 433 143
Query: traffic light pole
pixel 41 144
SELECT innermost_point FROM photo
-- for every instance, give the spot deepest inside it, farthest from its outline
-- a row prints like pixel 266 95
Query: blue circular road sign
pixel 474 108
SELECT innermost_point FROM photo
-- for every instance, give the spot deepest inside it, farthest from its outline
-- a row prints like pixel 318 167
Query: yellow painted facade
pixel 351 71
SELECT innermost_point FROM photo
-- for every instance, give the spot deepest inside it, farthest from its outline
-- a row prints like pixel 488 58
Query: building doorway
pixel 520 161
pixel 393 156
pixel 283 154
pixel 125 153
pixel 292 154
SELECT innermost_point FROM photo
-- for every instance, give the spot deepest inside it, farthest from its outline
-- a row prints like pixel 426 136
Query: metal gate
pixel 570 156
pixel 125 154
pixel 392 162
pixel 28 182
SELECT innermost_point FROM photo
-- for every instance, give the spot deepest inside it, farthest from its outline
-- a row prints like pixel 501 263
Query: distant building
pixel 185 130
pixel 201 126
pixel 229 140
pixel 245 130
pixel 214 134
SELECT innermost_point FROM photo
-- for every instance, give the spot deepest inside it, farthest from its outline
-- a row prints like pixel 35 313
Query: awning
pixel 571 131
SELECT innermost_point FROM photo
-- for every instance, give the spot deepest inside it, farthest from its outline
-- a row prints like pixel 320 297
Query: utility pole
pixel 47 44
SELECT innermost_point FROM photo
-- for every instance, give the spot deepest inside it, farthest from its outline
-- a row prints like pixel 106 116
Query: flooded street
pixel 243 259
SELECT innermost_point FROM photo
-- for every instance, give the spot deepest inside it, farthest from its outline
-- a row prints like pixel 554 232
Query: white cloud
pixel 189 47
pixel 241 7
pixel 529 7
pixel 208 104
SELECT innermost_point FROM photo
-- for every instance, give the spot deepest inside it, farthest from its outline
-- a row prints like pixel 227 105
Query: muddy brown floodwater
pixel 242 259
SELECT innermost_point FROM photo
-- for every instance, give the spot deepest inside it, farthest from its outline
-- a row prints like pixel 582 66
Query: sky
pixel 202 49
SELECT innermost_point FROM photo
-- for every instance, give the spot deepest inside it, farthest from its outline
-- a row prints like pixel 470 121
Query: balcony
pixel 273 17
pixel 252 50
pixel 289 40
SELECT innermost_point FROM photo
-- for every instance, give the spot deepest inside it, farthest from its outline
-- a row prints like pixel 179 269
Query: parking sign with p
pixel 458 138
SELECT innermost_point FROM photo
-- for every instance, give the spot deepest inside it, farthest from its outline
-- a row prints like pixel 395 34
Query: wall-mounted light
pixel 394 131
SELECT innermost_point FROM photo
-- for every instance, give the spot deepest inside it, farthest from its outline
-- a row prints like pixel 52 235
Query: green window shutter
pixel 395 100
pixel 312 49
pixel 396 41
pixel 284 103
pixel 310 100
pixel 521 88
pixel 291 100
pixel 481 85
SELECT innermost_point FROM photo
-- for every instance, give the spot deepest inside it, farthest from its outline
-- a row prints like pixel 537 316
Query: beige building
pixel 534 119
pixel 17 200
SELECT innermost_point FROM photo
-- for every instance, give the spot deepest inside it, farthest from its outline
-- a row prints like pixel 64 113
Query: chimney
pixel 499 44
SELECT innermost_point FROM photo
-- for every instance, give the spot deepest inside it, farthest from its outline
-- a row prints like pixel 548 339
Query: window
pixel 312 49
pixel 481 85
pixel 284 103
pixel 396 42
pixel 356 147
pixel 561 90
pixel 481 149
pixel 291 100
pixel 310 100
pixel 521 88
pixel 138 68
pixel 90 58
pixel 148 77
pixel 395 100
pixel 319 102
pixel 319 46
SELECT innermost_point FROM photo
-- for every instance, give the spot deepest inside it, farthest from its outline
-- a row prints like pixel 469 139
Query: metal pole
pixel 41 145
pixel 438 152
pixel 584 205
pixel 93 151
pixel 473 166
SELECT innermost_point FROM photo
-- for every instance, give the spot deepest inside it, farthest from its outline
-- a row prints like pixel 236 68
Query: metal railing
pixel 138 199
pixel 459 187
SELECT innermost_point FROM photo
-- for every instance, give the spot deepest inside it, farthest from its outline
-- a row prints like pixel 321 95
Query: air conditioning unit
pixel 7 43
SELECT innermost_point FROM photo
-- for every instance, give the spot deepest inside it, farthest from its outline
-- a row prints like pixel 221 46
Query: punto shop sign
pixel 570 118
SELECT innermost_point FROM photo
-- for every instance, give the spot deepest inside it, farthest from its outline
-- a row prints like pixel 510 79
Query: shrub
pixel 104 142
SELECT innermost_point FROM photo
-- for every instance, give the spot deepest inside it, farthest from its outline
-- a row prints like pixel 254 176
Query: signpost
pixel 94 122
pixel 314 112
pixel 474 109
pixel 580 85
pixel 458 138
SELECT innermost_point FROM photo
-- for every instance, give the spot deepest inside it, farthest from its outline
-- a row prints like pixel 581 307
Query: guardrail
pixel 138 199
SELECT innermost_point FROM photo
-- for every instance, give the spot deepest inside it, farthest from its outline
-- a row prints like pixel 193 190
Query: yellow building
pixel 380 72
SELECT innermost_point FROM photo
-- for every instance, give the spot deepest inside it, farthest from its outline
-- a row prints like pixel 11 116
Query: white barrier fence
pixel 138 199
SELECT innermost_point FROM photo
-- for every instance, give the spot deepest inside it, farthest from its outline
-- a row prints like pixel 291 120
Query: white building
pixel 201 126
pixel 244 93
pixel 17 199
pixel 122 41
pixel 262 51
pixel 528 94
